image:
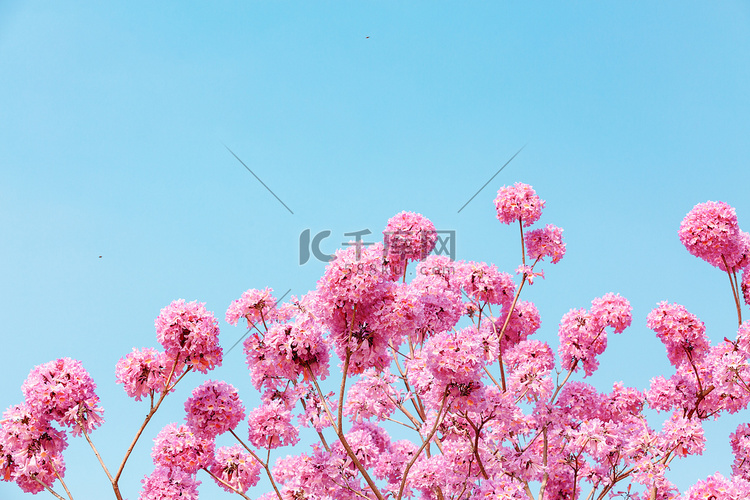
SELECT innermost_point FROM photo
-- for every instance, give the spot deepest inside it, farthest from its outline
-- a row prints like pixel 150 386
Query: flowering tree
pixel 448 357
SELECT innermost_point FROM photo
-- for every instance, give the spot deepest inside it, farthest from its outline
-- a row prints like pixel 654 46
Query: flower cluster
pixel 545 242
pixel 237 469
pixel 167 484
pixel 188 329
pixel 63 391
pixel 30 449
pixel 710 231
pixel 683 334
pixel 407 237
pixel 177 447
pixel 582 333
pixel 518 203
pixel 146 371
pixel 256 306
pixel 271 426
pixel 213 409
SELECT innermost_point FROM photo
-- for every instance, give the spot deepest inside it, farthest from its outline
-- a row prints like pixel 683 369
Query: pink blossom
pixel 529 273
pixel 622 403
pixel 580 401
pixel 740 442
pixel 683 435
pixel 582 338
pixel 715 487
pixel 483 283
pixel 546 242
pixel 529 364
pixel 391 463
pixel 256 306
pixel 612 310
pixel 315 413
pixel 683 334
pixel 177 447
pixel 30 448
pixel 674 392
pixel 62 390
pixel 167 484
pixel 710 231
pixel 214 408
pixel 502 488
pixel 318 475
pixel 408 236
pixel 455 357
pixel 746 284
pixel 144 371
pixel 442 266
pixel 524 321
pixel 373 395
pixel 518 203
pixel 270 426
pixel 286 351
pixel 353 278
pixel 188 328
pixel 367 440
pixel 237 468
pixel 439 304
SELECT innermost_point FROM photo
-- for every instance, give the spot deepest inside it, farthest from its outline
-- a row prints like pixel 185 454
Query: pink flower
pixel 710 231
pixel 502 488
pixel 715 487
pixel 612 310
pixel 367 440
pixel 353 277
pixel 518 203
pixel 257 306
pixel 684 436
pixel 683 334
pixel 524 321
pixel 30 448
pixel 455 357
pixel 746 284
pixel 529 272
pixel 188 328
pixel 740 442
pixel 315 476
pixel 237 468
pixel 168 484
pixel 582 338
pixel 484 283
pixel 144 371
pixel 390 464
pixel 214 408
pixel 271 426
pixel 408 237
pixel 373 395
pixel 439 304
pixel 529 364
pixel 63 391
pixel 297 349
pixel 545 242
pixel 582 334
pixel 177 447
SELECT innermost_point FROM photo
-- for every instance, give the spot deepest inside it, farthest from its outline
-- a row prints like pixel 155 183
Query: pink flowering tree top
pixel 483 409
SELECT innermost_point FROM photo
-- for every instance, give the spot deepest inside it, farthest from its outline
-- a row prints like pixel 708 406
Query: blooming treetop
pixel 488 410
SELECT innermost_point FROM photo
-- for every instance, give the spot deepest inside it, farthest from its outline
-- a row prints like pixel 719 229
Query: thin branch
pixel 261 462
pixel 220 480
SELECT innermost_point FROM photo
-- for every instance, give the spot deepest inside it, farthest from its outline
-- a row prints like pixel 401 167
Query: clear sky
pixel 118 195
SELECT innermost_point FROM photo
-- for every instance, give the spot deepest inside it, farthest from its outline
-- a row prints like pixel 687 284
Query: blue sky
pixel 114 120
